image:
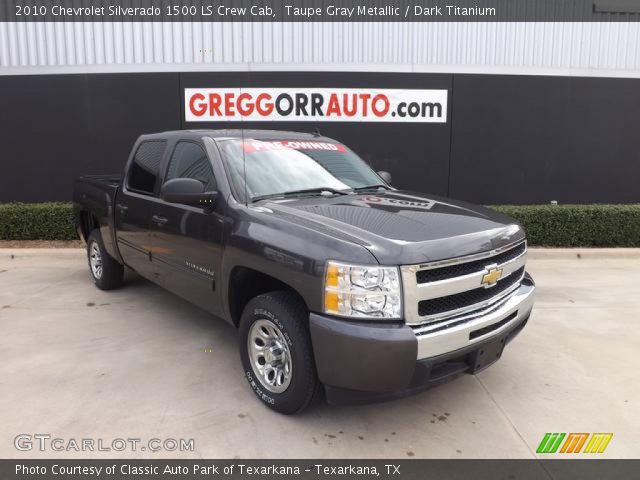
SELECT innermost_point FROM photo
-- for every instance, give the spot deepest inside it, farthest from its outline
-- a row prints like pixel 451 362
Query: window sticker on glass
pixel 261 146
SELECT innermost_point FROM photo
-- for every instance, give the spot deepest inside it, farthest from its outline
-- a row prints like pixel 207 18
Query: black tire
pixel 112 273
pixel 289 314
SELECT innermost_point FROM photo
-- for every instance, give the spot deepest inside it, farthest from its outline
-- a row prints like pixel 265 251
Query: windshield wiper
pixel 370 187
pixel 307 191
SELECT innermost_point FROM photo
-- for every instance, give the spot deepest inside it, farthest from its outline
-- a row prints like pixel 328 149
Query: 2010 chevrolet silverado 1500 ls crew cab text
pixel 332 276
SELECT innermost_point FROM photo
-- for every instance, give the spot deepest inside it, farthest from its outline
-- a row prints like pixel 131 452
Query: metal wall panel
pixel 571 48
pixel 510 139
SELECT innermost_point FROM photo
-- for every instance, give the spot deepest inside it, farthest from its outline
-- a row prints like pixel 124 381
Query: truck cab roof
pixel 257 134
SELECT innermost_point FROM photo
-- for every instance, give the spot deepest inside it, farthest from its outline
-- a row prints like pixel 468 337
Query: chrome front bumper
pixel 369 361
pixel 434 340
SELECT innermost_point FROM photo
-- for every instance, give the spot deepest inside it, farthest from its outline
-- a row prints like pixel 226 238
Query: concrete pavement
pixel 76 362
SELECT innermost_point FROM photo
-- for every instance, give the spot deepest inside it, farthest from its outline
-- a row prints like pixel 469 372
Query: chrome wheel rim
pixel 270 355
pixel 95 260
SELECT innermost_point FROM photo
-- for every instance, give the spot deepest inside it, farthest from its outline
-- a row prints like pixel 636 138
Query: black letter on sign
pixel 316 105
pixel 301 104
pixel 279 108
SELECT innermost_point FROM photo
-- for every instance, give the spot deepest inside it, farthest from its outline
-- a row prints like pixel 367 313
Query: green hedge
pixel 578 225
pixel 37 221
pixel 546 225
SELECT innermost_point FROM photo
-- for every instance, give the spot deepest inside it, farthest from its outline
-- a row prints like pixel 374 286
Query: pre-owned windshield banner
pixel 315 104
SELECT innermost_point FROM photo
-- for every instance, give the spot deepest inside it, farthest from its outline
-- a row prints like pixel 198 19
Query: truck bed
pixel 111 180
pixel 95 196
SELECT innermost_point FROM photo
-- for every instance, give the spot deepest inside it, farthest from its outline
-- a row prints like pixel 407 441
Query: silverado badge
pixel 491 277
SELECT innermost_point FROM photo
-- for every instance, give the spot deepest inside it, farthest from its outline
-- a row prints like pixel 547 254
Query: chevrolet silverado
pixel 333 277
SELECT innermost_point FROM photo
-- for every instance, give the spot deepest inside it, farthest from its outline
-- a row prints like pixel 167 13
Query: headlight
pixel 362 291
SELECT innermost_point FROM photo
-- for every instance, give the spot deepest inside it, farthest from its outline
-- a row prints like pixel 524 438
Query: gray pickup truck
pixel 333 277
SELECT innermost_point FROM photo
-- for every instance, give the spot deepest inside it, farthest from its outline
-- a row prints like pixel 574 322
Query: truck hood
pixel 403 228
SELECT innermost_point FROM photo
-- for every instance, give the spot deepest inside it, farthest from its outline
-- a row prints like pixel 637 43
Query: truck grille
pixel 452 290
pixel 468 298
pixel 460 269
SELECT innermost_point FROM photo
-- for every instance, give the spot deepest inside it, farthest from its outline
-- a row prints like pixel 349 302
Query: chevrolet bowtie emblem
pixel 492 276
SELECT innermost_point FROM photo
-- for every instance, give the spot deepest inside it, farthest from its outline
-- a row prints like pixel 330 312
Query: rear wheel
pixel 276 351
pixel 106 272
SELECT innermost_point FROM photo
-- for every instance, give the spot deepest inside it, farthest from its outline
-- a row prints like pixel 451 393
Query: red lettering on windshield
pixel 262 146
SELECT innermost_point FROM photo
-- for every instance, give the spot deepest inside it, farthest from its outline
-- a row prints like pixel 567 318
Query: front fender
pixel 294 255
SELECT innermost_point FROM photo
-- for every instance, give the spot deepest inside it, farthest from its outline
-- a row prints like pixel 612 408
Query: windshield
pixel 280 167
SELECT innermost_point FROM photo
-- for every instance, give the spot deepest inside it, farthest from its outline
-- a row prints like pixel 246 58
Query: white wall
pixel 601 49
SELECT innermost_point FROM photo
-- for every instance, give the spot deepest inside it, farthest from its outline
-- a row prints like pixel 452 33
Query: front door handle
pixel 158 220
pixel 123 208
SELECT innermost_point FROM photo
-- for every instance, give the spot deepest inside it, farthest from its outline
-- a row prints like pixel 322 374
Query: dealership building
pixel 494 112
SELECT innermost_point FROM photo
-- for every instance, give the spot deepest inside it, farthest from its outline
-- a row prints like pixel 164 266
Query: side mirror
pixel 187 191
pixel 386 176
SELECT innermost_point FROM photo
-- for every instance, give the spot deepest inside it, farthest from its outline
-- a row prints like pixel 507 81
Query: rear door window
pixel 145 168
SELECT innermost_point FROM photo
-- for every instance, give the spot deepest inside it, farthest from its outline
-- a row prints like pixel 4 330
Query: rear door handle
pixel 159 220
pixel 123 208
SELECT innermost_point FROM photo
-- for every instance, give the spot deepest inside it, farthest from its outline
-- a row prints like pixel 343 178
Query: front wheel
pixel 276 351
